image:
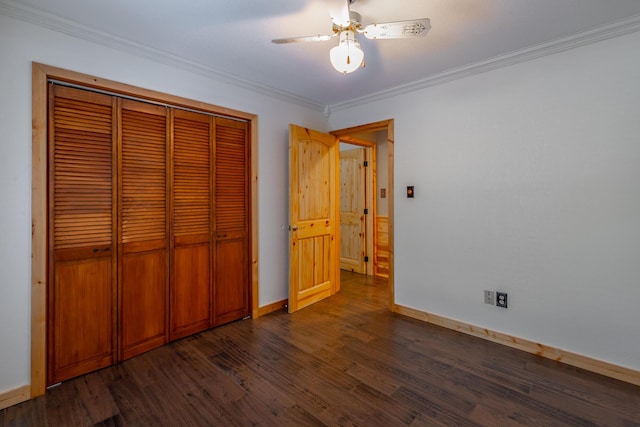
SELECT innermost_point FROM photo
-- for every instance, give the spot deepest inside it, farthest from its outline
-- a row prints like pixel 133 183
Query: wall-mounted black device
pixel 410 192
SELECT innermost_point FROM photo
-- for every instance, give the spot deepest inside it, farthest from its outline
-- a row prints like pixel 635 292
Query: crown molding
pixel 74 29
pixel 618 28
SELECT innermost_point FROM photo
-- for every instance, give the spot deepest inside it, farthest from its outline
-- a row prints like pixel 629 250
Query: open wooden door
pixel 314 233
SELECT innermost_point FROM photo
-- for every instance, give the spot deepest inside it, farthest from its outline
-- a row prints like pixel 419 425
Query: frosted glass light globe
pixel 347 56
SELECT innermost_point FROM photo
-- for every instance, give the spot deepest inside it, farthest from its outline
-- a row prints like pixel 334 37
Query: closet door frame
pixel 41 75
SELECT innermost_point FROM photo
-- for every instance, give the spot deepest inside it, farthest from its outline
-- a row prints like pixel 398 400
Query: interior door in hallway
pixel 352 210
pixel 313 206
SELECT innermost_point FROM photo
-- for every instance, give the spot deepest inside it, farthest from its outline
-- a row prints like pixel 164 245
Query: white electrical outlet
pixel 502 299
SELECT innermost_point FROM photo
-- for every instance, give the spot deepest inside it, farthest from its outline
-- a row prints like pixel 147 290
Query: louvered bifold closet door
pixel 192 219
pixel 81 293
pixel 231 266
pixel 143 262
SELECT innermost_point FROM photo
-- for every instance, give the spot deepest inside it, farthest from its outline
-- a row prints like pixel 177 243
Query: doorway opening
pixel 378 138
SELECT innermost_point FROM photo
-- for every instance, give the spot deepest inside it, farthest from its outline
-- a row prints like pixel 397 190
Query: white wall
pixel 346 146
pixel 527 181
pixel 22 43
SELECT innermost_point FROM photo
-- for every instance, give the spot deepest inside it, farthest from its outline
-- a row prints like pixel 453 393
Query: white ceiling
pixel 231 39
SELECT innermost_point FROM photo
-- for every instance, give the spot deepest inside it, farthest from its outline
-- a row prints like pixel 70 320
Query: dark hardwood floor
pixel 345 361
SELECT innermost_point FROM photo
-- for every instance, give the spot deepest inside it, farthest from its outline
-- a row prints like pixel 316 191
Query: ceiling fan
pixel 348 56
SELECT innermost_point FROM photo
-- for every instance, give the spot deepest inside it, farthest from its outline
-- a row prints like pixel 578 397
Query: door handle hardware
pixel 293 227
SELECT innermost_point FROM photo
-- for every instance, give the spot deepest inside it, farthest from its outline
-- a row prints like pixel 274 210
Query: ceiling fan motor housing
pixel 356 18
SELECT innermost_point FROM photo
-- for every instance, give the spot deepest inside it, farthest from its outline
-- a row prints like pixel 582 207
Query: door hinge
pixel 366 164
pixel 366 211
pixel 366 259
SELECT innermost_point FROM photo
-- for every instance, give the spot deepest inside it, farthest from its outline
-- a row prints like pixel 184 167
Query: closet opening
pixel 144 221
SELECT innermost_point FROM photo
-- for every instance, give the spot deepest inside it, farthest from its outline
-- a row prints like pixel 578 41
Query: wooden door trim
pixel 347 135
pixel 41 74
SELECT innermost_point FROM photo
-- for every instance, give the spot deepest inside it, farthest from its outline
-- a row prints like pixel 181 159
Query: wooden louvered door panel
pixel 81 294
pixel 190 309
pixel 231 282
pixel 143 235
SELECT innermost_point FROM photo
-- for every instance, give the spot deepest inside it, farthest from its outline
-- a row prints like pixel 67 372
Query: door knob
pixel 293 227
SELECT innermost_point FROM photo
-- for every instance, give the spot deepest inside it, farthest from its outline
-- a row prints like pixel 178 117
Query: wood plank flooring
pixel 345 361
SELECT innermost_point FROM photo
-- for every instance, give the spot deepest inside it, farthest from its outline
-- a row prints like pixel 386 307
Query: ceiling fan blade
pixel 305 39
pixel 398 30
pixel 339 12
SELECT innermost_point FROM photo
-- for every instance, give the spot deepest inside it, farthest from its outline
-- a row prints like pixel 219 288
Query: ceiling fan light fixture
pixel 347 56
